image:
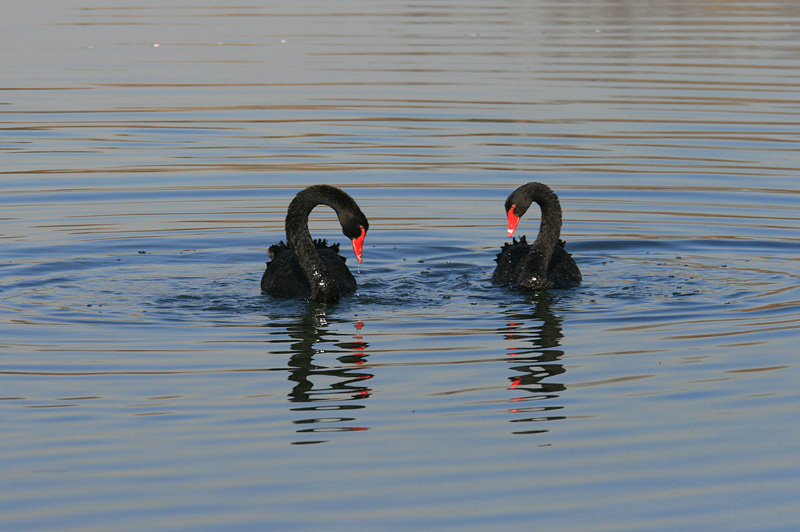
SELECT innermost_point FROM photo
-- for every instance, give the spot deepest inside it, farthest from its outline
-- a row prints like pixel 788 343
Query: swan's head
pixel 355 227
pixel 520 200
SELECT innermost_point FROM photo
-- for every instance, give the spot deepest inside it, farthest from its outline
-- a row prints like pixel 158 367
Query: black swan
pixel 545 263
pixel 304 268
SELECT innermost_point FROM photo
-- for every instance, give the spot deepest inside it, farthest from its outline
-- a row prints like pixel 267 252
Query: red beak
pixel 358 245
pixel 513 220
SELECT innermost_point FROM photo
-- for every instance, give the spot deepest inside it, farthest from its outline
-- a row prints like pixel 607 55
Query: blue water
pixel 148 385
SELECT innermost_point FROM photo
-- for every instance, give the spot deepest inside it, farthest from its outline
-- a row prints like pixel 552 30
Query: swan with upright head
pixel 304 268
pixel 545 263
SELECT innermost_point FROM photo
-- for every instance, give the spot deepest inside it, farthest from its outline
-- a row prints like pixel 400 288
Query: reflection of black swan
pixel 543 264
pixel 303 268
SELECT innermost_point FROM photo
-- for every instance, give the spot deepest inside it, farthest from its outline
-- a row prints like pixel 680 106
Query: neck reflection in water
pixel 535 336
pixel 329 388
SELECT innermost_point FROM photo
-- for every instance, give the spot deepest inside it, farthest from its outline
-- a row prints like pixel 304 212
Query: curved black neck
pixel 323 286
pixel 536 262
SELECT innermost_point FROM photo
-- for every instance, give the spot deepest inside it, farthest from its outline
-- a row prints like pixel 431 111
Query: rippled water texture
pixel 149 152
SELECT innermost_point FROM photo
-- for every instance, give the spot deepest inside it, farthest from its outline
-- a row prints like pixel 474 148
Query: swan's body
pixel 285 278
pixel 304 268
pixel 544 263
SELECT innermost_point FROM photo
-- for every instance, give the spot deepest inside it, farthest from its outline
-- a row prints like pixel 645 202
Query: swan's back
pixel 562 271
pixel 285 278
pixel 509 261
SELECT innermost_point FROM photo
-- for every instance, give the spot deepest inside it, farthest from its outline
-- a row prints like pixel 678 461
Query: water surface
pixel 149 153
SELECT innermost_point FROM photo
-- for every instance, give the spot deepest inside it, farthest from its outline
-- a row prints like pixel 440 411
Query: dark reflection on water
pixel 336 384
pixel 536 365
